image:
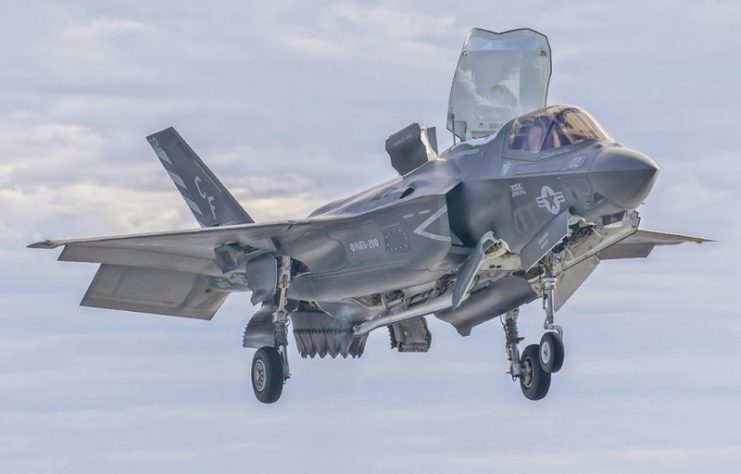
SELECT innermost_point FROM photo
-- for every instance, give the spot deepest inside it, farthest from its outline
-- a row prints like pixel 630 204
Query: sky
pixel 290 103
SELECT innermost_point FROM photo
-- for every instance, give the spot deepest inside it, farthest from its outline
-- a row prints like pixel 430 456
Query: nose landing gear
pixel 551 352
pixel 534 367
pixel 534 381
pixel 527 368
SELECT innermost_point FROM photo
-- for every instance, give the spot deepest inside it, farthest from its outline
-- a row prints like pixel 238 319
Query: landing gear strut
pixel 270 368
pixel 551 353
pixel 280 316
pixel 509 323
pixel 534 367
pixel 534 381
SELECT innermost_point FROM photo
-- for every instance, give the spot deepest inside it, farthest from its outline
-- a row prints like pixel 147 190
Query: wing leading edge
pixel 642 242
pixel 167 272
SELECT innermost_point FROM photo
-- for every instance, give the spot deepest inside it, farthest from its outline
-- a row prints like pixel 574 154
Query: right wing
pixel 642 242
pixel 637 245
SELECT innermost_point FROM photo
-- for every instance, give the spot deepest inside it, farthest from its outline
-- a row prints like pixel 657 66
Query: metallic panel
pixel 544 241
pixel 570 280
pixel 500 296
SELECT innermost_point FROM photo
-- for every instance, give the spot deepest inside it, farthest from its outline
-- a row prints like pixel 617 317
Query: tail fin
pixel 211 203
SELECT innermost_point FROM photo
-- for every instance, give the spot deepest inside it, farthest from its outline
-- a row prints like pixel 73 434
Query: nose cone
pixel 623 177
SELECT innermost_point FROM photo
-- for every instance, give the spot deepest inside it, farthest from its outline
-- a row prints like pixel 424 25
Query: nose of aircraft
pixel 624 177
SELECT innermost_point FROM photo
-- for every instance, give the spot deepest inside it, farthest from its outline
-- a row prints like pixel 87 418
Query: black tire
pixel 551 352
pixel 267 374
pixel 534 381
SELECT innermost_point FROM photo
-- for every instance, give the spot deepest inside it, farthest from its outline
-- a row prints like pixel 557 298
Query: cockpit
pixel 554 127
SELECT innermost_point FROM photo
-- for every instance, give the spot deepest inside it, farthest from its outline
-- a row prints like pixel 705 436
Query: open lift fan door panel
pixel 499 77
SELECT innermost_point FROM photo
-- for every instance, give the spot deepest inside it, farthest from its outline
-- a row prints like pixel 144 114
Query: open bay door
pixel 499 77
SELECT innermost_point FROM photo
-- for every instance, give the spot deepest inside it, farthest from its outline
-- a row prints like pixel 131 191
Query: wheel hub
pixel 545 352
pixel 258 375
pixel 527 377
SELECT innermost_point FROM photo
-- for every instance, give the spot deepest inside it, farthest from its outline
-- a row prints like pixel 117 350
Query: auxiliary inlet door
pixel 499 77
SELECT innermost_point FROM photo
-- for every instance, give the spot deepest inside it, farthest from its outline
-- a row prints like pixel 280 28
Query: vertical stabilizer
pixel 208 199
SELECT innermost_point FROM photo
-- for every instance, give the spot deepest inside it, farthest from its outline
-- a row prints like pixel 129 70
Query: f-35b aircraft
pixel 524 206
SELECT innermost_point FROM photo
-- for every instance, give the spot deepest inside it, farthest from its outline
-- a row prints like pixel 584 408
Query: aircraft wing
pixel 642 242
pixel 182 250
pixel 167 272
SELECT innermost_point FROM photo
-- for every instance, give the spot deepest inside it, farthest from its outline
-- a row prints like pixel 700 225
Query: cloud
pixel 316 47
pixel 387 22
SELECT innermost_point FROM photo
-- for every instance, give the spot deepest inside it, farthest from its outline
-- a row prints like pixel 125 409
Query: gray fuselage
pixel 407 234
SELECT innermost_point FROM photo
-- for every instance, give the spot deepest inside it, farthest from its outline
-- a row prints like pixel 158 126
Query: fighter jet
pixel 526 203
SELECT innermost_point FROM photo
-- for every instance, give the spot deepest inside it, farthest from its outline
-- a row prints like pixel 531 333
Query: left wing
pixel 168 272
pixel 186 250
pixel 642 242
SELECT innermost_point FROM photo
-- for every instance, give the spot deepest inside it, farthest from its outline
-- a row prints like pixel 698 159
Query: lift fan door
pixel 499 77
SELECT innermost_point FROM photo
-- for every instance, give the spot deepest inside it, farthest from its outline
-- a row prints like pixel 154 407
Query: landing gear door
pixel 499 77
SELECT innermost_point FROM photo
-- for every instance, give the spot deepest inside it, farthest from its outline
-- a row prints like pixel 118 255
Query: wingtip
pixel 44 244
pixel 699 240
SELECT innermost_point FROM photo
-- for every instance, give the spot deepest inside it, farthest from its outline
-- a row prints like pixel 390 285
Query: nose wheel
pixel 534 367
pixel 551 352
pixel 534 381
pixel 536 364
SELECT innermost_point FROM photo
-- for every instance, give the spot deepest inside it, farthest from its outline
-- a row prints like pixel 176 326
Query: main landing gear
pixel 267 374
pixel 270 368
pixel 533 368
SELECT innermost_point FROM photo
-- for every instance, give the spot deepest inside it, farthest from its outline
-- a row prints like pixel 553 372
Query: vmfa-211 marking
pixel 523 207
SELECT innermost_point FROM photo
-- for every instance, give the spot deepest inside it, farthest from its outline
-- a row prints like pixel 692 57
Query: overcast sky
pixel 290 103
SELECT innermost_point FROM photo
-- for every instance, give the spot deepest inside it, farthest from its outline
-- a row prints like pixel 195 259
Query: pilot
pixel 535 135
pixel 530 134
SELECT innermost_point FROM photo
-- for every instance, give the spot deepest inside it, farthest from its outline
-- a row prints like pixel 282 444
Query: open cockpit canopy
pixel 554 127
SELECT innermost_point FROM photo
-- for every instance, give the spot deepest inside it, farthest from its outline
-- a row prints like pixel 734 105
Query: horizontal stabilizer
pixel 148 290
